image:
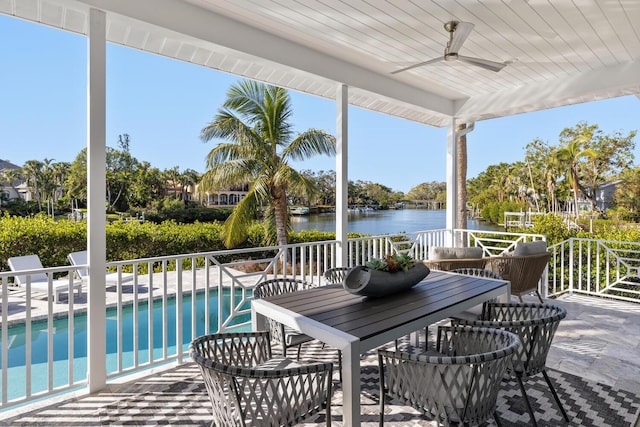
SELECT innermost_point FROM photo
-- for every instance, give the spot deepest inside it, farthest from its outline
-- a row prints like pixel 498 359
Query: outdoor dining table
pixel 355 324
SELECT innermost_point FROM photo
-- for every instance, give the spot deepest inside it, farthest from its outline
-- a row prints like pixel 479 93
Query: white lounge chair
pixel 39 281
pixel 80 258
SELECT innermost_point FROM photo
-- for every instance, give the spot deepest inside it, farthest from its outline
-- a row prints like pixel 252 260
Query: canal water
pixel 385 222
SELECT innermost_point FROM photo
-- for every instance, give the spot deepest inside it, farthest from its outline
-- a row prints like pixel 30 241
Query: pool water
pixel 39 334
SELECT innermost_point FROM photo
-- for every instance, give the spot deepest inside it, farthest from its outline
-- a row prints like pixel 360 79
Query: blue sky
pixel 163 104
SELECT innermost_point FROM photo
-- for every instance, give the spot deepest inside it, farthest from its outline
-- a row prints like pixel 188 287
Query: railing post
pixel 571 266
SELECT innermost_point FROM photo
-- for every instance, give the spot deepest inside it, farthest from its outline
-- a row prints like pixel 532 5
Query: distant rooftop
pixel 4 164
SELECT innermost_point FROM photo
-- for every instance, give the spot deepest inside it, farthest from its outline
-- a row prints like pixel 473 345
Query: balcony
pixel 598 341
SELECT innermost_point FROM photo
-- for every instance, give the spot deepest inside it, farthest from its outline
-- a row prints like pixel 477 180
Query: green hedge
pixel 53 239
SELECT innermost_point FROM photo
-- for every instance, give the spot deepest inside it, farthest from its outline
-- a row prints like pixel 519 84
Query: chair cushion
pixel 439 252
pixel 530 248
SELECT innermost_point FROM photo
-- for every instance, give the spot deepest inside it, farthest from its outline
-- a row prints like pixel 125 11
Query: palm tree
pixel 10 176
pixel 461 177
pixel 59 173
pixel 188 180
pixel 255 122
pixel 570 155
pixel 32 171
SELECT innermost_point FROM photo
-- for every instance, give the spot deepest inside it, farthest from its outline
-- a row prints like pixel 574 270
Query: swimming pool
pixel 128 331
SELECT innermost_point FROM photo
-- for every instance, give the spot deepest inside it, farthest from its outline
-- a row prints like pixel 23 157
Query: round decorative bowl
pixel 361 280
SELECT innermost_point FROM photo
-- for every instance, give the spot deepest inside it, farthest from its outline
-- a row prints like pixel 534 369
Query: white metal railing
pixel 151 318
pixel 595 267
pixel 195 294
pixel 417 243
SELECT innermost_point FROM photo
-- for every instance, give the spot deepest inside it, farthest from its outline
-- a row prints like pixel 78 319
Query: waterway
pixel 385 222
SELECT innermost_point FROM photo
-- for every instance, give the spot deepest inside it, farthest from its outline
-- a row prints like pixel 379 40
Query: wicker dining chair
pixel 536 325
pixel 456 384
pixel 475 313
pixel 287 337
pixel 478 272
pixel 336 275
pixel 523 271
pixel 247 387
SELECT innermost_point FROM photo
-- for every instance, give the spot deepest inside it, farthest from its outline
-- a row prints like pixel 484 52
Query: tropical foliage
pixel 550 175
pixel 259 144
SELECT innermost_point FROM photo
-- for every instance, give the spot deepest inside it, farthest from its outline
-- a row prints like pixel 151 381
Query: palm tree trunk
pixel 461 175
pixel 575 190
pixel 281 215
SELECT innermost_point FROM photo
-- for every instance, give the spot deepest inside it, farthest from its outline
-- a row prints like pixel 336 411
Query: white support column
pixel 96 215
pixel 452 185
pixel 342 180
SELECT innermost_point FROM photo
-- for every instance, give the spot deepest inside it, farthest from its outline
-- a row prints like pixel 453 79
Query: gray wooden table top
pixel 364 317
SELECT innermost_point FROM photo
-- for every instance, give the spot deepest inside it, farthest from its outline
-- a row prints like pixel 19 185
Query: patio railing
pixel 604 268
pixel 173 299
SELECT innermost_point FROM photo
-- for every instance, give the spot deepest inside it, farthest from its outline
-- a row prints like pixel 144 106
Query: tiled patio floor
pixel 598 341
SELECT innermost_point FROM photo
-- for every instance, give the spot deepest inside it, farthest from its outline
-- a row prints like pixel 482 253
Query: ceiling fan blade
pixel 419 64
pixel 484 63
pixel 463 29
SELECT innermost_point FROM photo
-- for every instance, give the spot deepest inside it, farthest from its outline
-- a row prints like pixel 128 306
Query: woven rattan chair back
pixel 249 388
pixel 271 287
pixel 453 264
pixel 478 272
pixel 536 325
pixel 459 384
pixel 285 336
pixel 336 275
pixel 524 272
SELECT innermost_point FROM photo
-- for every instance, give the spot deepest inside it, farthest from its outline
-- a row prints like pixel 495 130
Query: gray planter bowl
pixel 361 280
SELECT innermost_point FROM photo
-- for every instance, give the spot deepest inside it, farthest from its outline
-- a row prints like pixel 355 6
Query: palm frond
pixel 228 174
pixel 311 143
pixel 262 189
pixel 248 99
pixel 235 228
pixel 225 125
pixel 269 224
pixel 298 183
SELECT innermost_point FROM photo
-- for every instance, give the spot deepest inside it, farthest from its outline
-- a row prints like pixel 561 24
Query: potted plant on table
pixel 385 276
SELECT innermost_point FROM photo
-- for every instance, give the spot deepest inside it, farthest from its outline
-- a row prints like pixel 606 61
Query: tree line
pixel 131 185
pixel 254 144
pixel 583 158
pixel 551 174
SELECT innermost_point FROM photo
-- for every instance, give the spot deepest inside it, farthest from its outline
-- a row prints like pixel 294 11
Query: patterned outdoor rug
pixel 178 397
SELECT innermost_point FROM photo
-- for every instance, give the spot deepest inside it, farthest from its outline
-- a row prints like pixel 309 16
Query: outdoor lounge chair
pixel 246 386
pixel 40 281
pixel 524 272
pixel 447 259
pixel 458 383
pixel 112 278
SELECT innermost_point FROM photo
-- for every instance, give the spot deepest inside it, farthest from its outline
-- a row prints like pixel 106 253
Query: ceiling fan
pixel 458 33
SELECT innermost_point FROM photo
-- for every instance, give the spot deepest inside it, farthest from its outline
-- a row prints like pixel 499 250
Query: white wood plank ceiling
pixel 558 52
